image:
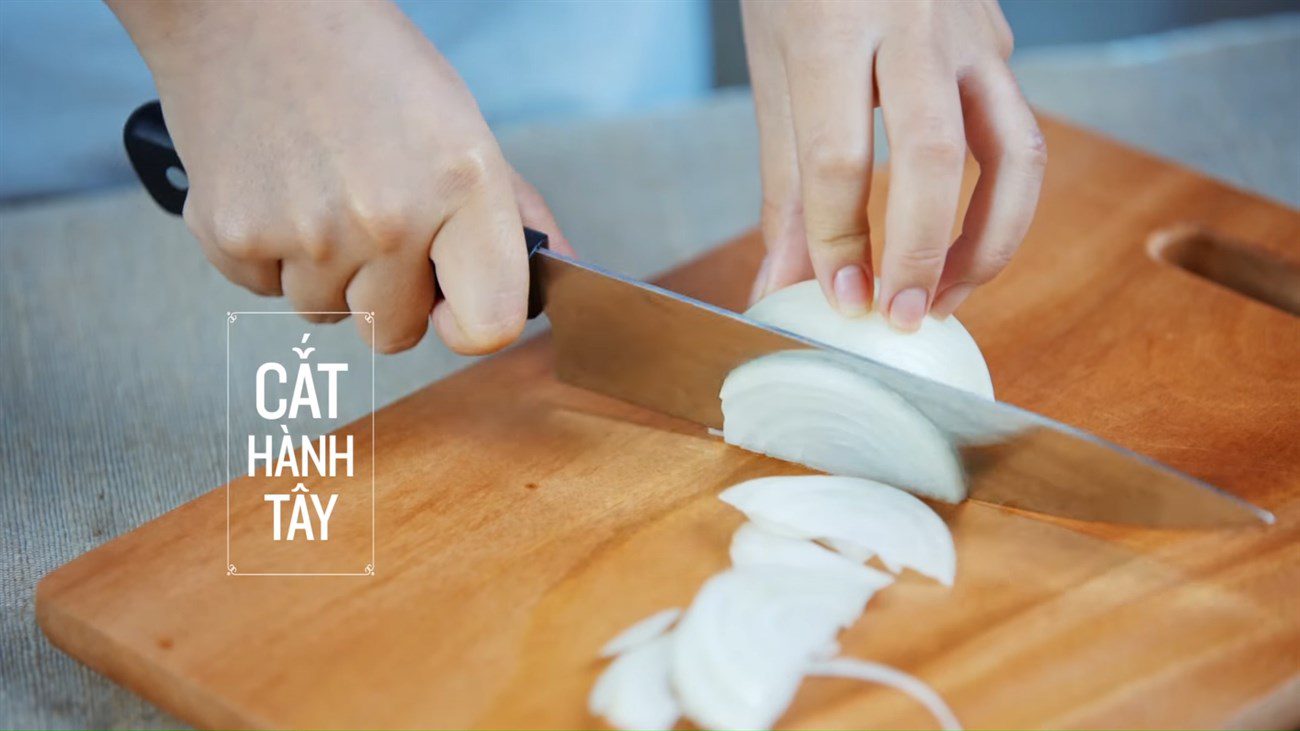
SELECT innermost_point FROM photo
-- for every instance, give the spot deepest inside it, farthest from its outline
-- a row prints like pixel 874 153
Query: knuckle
pixel 310 229
pixel 264 287
pixel 980 261
pixel 311 237
pixel 467 170
pixel 922 258
pixel 835 243
pixel 235 236
pixel 990 263
pixel 837 162
pixel 385 220
pixel 318 249
pixel 1031 151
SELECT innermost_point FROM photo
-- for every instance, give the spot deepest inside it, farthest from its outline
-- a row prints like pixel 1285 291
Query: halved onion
pixel 817 410
pixel 859 518
pixel 941 350
pixel 830 413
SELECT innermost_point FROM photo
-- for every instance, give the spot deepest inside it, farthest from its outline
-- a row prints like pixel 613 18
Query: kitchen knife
pixel 671 353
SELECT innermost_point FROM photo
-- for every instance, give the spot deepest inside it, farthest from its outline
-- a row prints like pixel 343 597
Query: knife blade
pixel 670 353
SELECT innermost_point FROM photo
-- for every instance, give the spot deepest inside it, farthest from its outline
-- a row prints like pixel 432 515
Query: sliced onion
pixel 738 654
pixel 753 546
pixel 859 518
pixel 810 408
pixel 634 692
pixel 641 632
pixel 941 350
pixel 874 672
pixel 741 649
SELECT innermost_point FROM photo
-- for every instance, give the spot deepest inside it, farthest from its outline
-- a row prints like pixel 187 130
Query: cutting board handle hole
pixel 1232 264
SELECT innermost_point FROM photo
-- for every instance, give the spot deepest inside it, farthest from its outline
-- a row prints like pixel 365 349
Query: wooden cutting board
pixel 521 522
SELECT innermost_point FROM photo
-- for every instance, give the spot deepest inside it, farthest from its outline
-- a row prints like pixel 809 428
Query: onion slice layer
pixel 741 649
pixel 641 632
pixel 634 691
pixel 859 518
pixel 753 546
pixel 874 672
pixel 823 411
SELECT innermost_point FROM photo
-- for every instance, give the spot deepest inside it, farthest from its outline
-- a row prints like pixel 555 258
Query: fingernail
pixel 950 299
pixel 907 309
pixel 760 280
pixel 852 290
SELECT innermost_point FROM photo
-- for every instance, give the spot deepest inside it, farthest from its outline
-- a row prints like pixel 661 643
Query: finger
pixel 927 150
pixel 1005 140
pixel 830 95
pixel 317 291
pixel 537 215
pixel 260 276
pixel 399 291
pixel 786 260
pixel 482 270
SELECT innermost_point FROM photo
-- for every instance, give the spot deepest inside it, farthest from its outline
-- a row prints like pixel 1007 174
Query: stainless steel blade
pixel 652 347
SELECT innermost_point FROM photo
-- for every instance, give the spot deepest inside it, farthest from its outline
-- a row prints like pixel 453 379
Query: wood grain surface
pixel 522 522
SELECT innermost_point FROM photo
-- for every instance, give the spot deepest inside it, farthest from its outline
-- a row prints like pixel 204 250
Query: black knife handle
pixel 153 156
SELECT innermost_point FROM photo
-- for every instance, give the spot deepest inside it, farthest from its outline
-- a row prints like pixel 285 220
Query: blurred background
pixel 69 74
pixel 1035 23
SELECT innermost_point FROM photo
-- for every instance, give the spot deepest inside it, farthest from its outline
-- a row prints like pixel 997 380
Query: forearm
pixel 175 36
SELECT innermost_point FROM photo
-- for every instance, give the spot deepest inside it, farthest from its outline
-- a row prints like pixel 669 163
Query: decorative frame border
pixel 369 570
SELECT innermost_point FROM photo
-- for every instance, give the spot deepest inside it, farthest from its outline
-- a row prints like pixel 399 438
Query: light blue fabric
pixel 69 74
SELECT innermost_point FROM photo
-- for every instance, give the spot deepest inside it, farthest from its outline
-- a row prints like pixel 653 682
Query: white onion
pixel 828 412
pixel 634 692
pixel 738 654
pixel 859 518
pixel 753 546
pixel 641 632
pixel 741 649
pixel 941 350
pixel 809 408
pixel 874 672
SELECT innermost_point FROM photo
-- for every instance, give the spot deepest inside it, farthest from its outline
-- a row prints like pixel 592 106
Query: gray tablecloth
pixel 112 335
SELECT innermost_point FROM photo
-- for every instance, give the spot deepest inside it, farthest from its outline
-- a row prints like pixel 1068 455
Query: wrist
pixel 173 35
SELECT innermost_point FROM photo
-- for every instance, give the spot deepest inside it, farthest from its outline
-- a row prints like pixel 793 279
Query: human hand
pixel 938 70
pixel 336 158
